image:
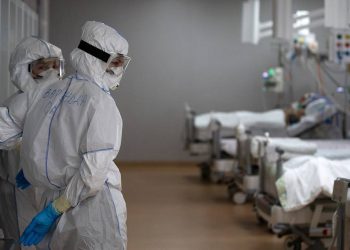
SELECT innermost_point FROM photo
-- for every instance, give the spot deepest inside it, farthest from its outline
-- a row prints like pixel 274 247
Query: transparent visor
pixel 38 67
pixel 118 61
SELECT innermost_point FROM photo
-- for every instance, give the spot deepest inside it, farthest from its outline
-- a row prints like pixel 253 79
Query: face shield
pixel 43 66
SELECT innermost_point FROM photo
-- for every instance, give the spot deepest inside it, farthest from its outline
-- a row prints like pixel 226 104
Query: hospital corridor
pixel 174 124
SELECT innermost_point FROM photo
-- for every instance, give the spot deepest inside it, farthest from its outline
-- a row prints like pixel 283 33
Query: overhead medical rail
pixel 284 23
pixel 337 14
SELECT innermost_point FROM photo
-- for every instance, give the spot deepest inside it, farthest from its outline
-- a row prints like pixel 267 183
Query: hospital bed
pixel 295 188
pixel 245 170
pixel 199 127
pixel 250 151
pixel 204 133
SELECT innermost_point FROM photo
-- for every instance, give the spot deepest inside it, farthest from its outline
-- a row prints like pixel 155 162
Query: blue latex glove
pixel 21 180
pixel 39 226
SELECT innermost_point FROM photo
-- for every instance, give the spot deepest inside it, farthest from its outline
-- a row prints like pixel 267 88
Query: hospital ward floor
pixel 169 208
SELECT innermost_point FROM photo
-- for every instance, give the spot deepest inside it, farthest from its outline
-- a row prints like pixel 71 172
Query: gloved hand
pixel 39 226
pixel 21 180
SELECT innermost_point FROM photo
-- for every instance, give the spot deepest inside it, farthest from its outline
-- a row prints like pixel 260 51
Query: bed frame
pixel 311 225
pixel 194 146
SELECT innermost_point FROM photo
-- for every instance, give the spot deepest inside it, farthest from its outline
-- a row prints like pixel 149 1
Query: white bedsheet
pixel 272 121
pixel 273 118
pixel 291 146
pixel 229 146
pixel 226 119
pixel 332 149
pixel 305 178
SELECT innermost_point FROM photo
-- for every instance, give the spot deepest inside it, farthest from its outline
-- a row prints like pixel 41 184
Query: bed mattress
pixel 229 121
pixel 271 121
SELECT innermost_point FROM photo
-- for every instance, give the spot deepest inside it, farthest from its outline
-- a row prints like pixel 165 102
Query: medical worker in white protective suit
pixel 71 134
pixel 33 62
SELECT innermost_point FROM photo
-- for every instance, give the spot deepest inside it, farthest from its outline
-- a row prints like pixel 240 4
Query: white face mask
pixel 48 76
pixel 112 77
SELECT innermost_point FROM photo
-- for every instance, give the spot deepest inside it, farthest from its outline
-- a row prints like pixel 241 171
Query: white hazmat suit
pixel 71 134
pixel 17 207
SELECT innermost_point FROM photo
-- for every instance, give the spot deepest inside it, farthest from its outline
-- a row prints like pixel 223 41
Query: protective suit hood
pixel 103 38
pixel 27 51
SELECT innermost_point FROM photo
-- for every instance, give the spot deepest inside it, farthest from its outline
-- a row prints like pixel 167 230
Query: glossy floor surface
pixel 169 208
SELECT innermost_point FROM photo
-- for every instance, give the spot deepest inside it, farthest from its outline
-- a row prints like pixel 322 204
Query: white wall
pixel 182 51
pixel 17 21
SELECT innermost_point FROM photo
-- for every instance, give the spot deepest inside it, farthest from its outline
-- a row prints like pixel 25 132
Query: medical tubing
pixel 335 82
pixel 319 74
pixel 343 109
pixel 316 76
pixel 338 106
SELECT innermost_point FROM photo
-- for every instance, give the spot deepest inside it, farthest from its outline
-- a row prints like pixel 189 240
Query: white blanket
pixel 269 119
pixel 333 149
pixel 229 146
pixel 330 149
pixel 226 119
pixel 291 147
pixel 305 178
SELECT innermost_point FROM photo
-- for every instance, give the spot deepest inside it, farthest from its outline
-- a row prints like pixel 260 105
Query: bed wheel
pixel 239 198
pixel 231 190
pixel 278 229
pixel 260 220
pixel 216 177
pixel 318 245
pixel 205 171
pixel 292 242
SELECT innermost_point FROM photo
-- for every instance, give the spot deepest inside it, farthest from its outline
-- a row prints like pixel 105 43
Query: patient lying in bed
pixel 308 104
pixel 278 118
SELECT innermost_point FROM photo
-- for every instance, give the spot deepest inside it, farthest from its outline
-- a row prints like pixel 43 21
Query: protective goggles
pixel 43 64
pixel 119 60
pixel 110 60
